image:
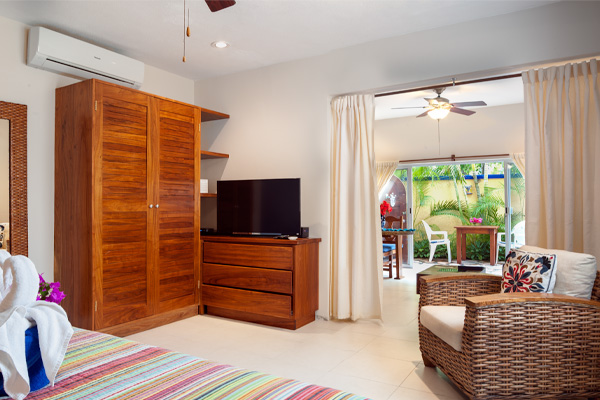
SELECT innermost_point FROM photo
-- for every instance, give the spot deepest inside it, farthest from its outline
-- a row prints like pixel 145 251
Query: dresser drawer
pixel 268 280
pixel 277 257
pixel 276 305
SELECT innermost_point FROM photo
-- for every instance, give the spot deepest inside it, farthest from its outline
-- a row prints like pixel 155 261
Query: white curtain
pixel 562 146
pixel 519 161
pixel 356 281
pixel 385 170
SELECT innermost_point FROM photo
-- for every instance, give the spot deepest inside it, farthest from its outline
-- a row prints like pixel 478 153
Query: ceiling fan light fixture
pixel 439 113
pixel 219 44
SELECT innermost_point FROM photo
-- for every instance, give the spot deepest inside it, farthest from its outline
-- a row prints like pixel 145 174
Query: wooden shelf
pixel 210 115
pixel 208 195
pixel 207 155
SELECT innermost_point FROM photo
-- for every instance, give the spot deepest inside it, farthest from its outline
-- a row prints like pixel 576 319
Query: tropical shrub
pixel 478 248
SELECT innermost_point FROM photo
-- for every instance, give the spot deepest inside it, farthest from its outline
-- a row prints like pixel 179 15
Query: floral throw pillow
pixel 529 272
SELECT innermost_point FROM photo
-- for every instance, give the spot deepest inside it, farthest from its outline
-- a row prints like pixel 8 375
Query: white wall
pixel 279 114
pixel 35 88
pixel 491 130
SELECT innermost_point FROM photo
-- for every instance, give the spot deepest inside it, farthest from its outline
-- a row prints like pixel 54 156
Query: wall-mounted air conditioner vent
pixel 56 52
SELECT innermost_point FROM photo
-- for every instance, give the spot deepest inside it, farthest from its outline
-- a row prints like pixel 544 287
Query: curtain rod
pixel 454 158
pixel 453 83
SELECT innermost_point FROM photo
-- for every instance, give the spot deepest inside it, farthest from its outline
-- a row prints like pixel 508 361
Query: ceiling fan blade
pixel 406 108
pixel 462 111
pixel 424 114
pixel 469 104
pixel 218 5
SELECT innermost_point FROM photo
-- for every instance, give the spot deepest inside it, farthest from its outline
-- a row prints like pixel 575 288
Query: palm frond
pixel 451 208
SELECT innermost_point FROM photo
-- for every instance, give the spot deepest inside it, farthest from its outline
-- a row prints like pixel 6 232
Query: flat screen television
pixel 267 207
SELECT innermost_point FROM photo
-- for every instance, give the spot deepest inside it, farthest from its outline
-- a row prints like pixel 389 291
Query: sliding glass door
pixel 449 194
pixel 514 188
pixel 406 178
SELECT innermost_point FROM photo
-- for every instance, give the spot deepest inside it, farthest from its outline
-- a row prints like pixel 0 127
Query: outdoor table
pixel 461 240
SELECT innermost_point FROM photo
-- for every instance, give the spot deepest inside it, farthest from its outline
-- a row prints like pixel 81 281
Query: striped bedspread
pixel 99 366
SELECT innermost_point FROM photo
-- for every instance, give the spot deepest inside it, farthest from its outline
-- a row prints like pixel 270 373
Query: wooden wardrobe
pixel 127 206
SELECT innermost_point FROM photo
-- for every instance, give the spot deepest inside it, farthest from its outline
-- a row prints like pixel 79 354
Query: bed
pixel 99 366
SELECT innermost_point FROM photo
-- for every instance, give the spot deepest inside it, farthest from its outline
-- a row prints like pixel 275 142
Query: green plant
pixel 478 248
pixel 488 206
pixel 422 177
pixel 451 208
pixel 421 248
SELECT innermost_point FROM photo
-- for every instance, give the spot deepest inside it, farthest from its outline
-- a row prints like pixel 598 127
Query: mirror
pixel 13 177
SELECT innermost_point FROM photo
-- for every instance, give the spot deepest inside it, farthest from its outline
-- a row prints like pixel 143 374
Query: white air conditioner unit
pixel 56 52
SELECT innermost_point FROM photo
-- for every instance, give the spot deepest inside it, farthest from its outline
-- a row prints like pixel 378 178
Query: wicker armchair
pixel 520 345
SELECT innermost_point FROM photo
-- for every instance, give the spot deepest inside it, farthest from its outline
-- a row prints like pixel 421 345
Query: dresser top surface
pixel 259 240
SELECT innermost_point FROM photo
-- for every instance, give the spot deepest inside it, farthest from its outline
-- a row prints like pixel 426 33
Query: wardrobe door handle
pixel 157 206
pixel 150 206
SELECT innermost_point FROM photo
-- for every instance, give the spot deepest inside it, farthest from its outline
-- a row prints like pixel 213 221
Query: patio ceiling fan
pixel 439 107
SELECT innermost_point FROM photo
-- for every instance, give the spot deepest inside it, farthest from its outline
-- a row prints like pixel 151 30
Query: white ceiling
pixel 261 32
pixel 494 93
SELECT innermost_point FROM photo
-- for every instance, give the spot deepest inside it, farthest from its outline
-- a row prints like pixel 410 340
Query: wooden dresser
pixel 127 206
pixel 268 281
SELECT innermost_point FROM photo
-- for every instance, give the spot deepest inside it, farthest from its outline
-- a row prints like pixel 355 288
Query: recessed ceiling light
pixel 219 44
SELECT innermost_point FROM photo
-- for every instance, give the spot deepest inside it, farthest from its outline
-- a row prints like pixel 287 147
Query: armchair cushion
pixel 529 272
pixel 575 272
pixel 446 322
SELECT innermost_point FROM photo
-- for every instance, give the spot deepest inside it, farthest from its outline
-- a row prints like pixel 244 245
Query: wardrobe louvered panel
pixel 125 218
pixel 127 206
pixel 177 233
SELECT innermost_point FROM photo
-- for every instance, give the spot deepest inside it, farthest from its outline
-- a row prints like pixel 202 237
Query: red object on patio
pixel 461 240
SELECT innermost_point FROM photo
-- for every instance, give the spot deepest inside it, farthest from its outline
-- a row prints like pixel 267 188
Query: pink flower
pixel 56 296
pixel 50 291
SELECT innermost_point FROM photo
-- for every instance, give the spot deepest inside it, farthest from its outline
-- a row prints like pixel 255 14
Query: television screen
pixel 259 207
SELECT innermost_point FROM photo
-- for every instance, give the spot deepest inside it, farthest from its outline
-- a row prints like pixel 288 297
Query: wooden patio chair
pixel 515 345
pixel 389 245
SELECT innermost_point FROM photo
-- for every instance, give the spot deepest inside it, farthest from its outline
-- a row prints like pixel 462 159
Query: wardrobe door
pixel 179 212
pixel 123 263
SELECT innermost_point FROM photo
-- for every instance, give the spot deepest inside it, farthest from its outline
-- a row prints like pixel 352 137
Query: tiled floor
pixel 380 361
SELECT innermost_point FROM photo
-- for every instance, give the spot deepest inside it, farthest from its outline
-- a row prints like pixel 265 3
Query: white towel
pixel 25 282
pixel 19 311
pixel 3 256
pixel 13 363
pixel 5 281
